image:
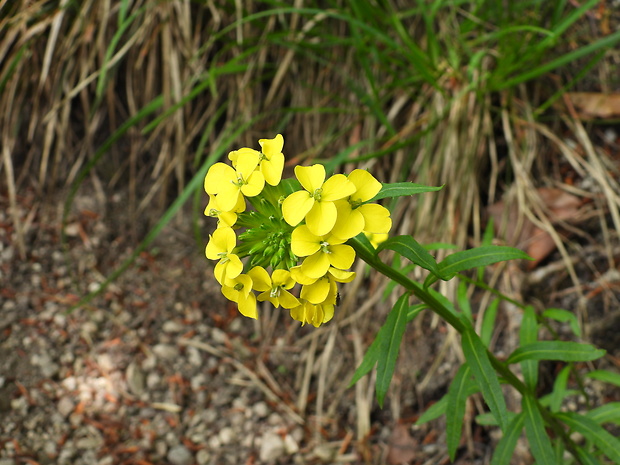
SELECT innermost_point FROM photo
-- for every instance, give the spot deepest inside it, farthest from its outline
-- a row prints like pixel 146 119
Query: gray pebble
pixel 271 448
pixel 180 455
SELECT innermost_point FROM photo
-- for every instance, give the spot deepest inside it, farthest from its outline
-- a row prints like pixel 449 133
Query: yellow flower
pixel 225 218
pixel 220 247
pixel 274 288
pixel 307 312
pixel 354 216
pixel 230 183
pixel 376 239
pixel 239 290
pixel 322 251
pixel 272 159
pixel 316 202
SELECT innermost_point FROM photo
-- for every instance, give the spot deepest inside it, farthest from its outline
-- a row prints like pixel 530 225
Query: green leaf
pixel 506 445
pixel 384 349
pixel 608 413
pixel 585 458
pixel 409 248
pixel 559 389
pixel 476 355
pixel 463 301
pixel 556 350
pixel 529 334
pixel 540 444
pixel 606 376
pixel 456 408
pixel 390 345
pixel 439 408
pixel 479 256
pixel 399 189
pixel 488 322
pixel 593 432
pixel 564 316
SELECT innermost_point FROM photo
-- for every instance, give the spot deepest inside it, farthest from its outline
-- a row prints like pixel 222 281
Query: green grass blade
pixel 529 334
pixel 566 351
pixel 506 446
pixel 486 378
pixel 540 444
pixel 488 322
pixel 593 432
pixel 455 412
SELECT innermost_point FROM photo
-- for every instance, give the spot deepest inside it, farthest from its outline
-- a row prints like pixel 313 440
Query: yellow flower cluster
pixel 311 224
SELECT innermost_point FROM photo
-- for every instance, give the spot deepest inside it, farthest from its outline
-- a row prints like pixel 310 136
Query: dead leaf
pixel 402 447
pixel 595 105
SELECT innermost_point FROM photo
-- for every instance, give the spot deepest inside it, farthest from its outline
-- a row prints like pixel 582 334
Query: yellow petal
pixel 317 292
pixel 321 218
pixel 282 278
pixel 271 147
pixel 337 187
pixel 341 276
pixel 288 300
pixel 298 275
pixel 303 242
pixel 328 313
pixel 296 206
pixel 376 218
pixel 310 177
pixel 217 177
pixel 272 169
pixel 260 279
pixel 341 256
pixel 254 184
pixel 247 306
pixel 366 185
pixel 349 223
pixel 247 161
pixel 315 265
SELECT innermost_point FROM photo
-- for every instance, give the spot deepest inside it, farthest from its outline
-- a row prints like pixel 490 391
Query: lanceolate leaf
pixel 455 412
pixel 506 446
pixel 608 413
pixel 399 189
pixel 559 389
pixel 593 432
pixel 529 334
pixel 476 355
pixel 389 346
pixel 556 350
pixel 605 376
pixel 409 248
pixel 540 444
pixel 439 408
pixel 479 256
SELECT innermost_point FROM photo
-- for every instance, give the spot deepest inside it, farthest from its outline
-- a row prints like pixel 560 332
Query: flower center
pixel 317 194
pixel 325 247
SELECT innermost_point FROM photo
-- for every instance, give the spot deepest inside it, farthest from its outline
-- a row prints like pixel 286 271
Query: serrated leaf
pixel 399 189
pixel 506 446
pixel 410 249
pixel 605 376
pixel 556 350
pixel 488 322
pixel 564 316
pixel 608 413
pixel 540 444
pixel 479 256
pixel 456 408
pixel 529 334
pixel 559 389
pixel 476 355
pixel 608 444
pixel 390 346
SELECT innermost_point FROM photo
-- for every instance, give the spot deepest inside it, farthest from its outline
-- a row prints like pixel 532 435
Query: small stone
pixel 166 351
pixel 65 406
pixel 203 457
pixel 180 455
pixel 290 445
pixel 171 326
pixel 227 435
pixel 271 448
pixel 152 380
pixel 260 409
pixel 135 378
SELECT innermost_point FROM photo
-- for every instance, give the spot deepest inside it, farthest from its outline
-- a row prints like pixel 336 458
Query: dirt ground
pixel 161 369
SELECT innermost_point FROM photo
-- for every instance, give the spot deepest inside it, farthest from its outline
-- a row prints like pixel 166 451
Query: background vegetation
pixel 139 98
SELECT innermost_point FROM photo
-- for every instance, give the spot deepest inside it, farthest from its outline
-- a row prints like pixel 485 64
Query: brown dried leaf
pixel 402 447
pixel 595 105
